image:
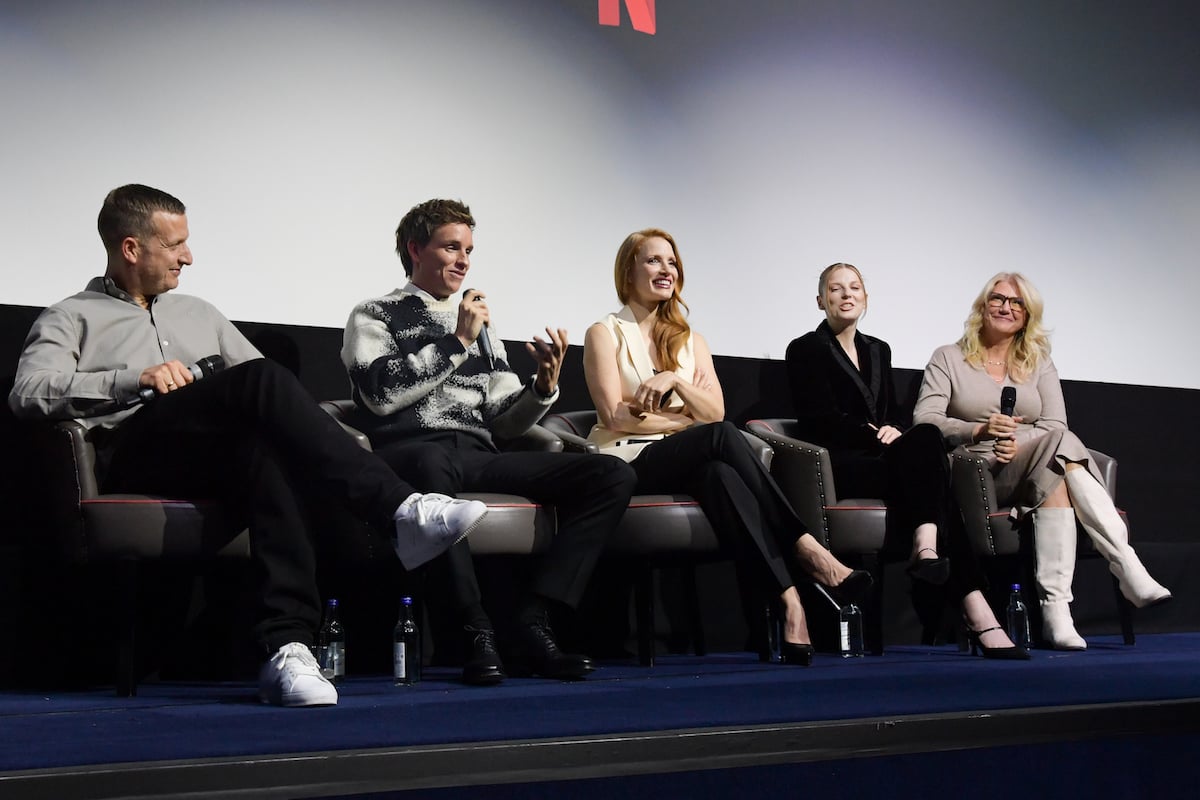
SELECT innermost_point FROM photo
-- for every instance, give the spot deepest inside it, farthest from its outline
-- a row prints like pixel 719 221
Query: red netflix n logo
pixel 641 14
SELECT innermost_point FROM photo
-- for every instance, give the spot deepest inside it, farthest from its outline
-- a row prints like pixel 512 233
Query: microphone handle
pixel 485 346
pixel 205 366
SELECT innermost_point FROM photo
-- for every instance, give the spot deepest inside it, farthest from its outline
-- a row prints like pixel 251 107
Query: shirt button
pixel 166 343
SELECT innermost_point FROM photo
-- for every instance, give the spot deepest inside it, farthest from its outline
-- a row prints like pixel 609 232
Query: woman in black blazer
pixel 844 396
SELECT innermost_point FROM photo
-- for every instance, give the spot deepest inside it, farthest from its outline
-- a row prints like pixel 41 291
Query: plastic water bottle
pixel 1018 618
pixel 851 623
pixel 406 647
pixel 331 644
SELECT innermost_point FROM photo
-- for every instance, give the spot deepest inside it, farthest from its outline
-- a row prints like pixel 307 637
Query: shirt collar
pixel 106 285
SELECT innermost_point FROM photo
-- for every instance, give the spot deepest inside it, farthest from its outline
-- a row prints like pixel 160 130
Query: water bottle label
pixel 845 636
pixel 323 661
pixel 335 660
pixel 400 661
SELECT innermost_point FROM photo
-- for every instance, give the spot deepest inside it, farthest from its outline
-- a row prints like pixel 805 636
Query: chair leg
pixel 127 583
pixel 1124 613
pixel 643 602
pixel 692 598
pixel 873 615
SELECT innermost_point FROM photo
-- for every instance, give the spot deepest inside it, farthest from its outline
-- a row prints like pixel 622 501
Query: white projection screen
pixel 932 143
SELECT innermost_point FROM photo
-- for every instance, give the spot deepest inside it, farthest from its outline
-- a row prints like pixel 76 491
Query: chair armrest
pixel 561 426
pixel 339 410
pixel 762 451
pixel 805 474
pixel 58 474
pixel 536 438
pixel 1106 465
pixel 975 492
pixel 576 444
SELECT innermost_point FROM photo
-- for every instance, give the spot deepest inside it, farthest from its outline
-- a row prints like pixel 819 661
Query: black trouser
pixel 716 465
pixel 253 437
pixel 912 475
pixel 589 494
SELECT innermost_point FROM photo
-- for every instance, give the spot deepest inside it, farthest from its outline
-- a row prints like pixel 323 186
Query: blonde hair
pixel 1032 342
pixel 670 324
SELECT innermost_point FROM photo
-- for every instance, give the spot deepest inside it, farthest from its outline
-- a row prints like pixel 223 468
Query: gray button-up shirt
pixel 84 355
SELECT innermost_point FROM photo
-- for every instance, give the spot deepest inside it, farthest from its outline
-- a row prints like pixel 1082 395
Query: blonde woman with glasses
pixel 1039 466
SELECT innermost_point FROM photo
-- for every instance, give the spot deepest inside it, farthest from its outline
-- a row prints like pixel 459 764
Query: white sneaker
pixel 292 678
pixel 428 524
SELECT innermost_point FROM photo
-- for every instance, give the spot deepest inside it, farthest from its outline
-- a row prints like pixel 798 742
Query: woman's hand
pixel 998 426
pixel 1002 429
pixel 653 392
pixel 887 434
pixel 1005 449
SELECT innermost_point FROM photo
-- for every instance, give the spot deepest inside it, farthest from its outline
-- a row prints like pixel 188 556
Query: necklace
pixel 997 363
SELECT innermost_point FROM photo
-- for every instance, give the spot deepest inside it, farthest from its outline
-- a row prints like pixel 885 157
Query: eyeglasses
pixel 997 300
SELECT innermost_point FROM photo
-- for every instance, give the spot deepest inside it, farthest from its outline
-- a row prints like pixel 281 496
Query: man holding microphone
pixel 434 391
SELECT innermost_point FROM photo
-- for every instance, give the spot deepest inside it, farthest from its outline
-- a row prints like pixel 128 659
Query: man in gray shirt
pixel 115 356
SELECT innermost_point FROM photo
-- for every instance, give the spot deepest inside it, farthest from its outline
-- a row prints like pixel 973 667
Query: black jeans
pixel 589 494
pixel 716 465
pixel 912 475
pixel 251 436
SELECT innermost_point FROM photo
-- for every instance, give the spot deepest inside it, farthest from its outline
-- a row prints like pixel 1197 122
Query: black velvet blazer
pixel 836 403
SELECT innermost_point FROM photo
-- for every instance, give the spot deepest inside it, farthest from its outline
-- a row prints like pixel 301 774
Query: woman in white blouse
pixel 660 406
pixel 1039 466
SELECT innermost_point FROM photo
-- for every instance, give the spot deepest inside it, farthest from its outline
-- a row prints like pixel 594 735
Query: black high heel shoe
pixel 1013 653
pixel 931 570
pixel 800 655
pixel 852 589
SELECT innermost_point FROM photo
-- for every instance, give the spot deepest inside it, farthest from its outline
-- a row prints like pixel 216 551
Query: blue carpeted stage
pixel 1122 720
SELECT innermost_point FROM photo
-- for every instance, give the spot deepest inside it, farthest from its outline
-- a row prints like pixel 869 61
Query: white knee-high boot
pixel 1100 519
pixel 1054 567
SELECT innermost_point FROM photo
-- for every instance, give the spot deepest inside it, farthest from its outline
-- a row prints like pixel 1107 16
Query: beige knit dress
pixel 956 397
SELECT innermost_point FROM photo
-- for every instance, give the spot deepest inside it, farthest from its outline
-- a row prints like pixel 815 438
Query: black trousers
pixel 589 494
pixel 716 465
pixel 254 438
pixel 912 475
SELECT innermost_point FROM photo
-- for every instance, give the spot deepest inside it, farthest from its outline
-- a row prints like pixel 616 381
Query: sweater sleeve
pixel 1054 407
pixel 933 400
pixel 390 372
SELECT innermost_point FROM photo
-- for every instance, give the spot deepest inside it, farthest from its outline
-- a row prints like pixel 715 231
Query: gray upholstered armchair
pixel 852 528
pixel 993 532
pixel 656 531
pixel 514 525
pixel 118 532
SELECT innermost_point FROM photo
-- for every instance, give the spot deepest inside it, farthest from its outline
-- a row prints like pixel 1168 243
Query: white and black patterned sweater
pixel 410 374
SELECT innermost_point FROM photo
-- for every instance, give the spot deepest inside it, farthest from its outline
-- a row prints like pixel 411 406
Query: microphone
pixel 485 342
pixel 1008 400
pixel 206 366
